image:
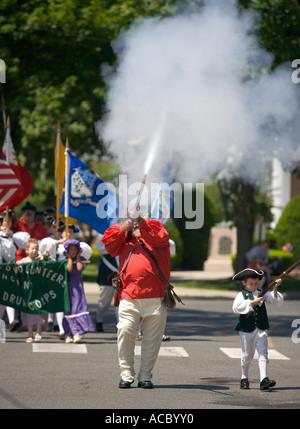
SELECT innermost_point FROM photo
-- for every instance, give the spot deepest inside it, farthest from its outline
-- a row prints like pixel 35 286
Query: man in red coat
pixel 141 295
pixel 29 224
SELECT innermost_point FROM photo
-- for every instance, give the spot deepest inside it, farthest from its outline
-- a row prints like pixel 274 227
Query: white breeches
pixel 152 314
pixel 251 341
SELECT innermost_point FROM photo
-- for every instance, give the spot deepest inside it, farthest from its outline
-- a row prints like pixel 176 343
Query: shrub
pixel 174 234
pixel 287 260
pixel 287 229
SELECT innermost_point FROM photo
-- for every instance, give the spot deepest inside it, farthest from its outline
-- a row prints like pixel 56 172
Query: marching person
pixel 107 265
pixel 253 323
pixel 78 321
pixel 141 297
pixel 7 254
pixel 59 255
pixel 29 224
pixel 30 320
pixel 9 243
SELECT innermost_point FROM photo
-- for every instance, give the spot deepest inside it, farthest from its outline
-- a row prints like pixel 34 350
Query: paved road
pixel 195 375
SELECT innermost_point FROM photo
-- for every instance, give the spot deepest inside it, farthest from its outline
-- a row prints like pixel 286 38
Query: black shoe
pixel 244 383
pixel 125 384
pixel 99 327
pixel 266 383
pixel 146 384
pixel 50 327
pixel 15 324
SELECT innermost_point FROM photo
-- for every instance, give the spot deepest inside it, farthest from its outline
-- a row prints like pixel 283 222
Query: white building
pixel 285 186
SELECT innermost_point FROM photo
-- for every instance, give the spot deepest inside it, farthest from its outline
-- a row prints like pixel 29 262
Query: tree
pixel 244 203
pixel 279 31
pixel 53 52
pixel 196 241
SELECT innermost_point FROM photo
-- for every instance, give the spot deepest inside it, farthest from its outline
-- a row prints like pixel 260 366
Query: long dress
pixel 78 321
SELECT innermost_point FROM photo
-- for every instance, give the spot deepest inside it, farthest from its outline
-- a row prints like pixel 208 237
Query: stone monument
pixel 222 243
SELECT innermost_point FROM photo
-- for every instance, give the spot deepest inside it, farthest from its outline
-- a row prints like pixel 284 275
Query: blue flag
pixel 163 201
pixel 91 200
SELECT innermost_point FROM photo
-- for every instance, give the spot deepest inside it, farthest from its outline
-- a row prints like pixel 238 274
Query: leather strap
pixel 127 260
pixel 161 276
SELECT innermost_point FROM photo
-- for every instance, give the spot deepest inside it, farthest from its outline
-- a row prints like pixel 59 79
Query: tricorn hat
pixel 248 272
pixel 62 227
pixel 29 206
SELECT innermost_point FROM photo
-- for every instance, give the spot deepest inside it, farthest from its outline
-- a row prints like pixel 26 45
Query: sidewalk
pixel 93 288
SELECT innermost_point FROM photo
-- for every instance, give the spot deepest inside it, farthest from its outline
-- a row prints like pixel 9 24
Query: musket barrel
pixel 138 200
pixel 270 285
pixel 283 274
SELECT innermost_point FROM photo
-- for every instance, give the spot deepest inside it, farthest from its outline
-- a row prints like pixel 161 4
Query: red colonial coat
pixel 141 279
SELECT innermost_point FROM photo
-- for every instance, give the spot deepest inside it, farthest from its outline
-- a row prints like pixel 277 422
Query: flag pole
pixel 7 141
pixel 67 174
pixel 57 182
pixel 7 159
pixel 3 110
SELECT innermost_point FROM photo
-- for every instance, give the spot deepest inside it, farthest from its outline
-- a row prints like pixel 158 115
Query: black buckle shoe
pixel 244 383
pixel 125 384
pixel 266 383
pixel 145 384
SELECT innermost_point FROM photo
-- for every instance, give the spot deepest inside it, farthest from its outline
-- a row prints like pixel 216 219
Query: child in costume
pixel 253 323
pixel 30 320
pixel 78 321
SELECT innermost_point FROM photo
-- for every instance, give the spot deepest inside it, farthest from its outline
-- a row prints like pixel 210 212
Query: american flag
pixel 9 183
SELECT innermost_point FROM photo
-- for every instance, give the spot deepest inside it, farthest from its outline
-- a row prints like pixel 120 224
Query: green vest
pixel 104 271
pixel 257 319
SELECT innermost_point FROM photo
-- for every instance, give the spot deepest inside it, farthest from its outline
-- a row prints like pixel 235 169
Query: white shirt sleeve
pixel 241 305
pixel 270 299
pixel 7 250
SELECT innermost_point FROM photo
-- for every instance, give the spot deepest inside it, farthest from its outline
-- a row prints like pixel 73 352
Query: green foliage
pixel 287 229
pixel 195 241
pixel 54 51
pixel 174 234
pixel 279 28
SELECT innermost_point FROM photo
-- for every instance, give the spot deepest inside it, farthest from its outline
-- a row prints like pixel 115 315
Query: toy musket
pixel 272 284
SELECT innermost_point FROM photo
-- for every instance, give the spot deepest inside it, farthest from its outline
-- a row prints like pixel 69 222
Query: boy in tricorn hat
pixel 253 323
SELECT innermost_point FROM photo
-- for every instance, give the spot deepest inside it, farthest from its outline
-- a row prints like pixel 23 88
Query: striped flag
pixel 9 184
pixel 24 177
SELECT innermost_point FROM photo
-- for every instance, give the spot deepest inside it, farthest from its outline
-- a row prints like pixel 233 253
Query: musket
pixel 272 284
pixel 138 200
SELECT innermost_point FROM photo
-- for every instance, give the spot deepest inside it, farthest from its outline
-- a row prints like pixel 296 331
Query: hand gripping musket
pixel 272 284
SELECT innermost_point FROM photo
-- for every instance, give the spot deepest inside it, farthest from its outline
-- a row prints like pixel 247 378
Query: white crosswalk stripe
pixel 58 348
pixel 235 353
pixel 166 351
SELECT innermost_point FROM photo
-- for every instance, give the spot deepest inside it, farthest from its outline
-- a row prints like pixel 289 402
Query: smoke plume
pixel 196 87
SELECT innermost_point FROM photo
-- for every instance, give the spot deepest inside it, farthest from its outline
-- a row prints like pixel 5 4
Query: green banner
pixel 36 288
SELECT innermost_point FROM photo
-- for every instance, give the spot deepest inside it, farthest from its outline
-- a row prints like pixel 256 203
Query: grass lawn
pixel 288 284
pixel 90 273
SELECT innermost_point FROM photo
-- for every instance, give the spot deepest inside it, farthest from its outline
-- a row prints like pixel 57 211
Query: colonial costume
pixel 141 295
pixel 78 321
pixel 252 326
